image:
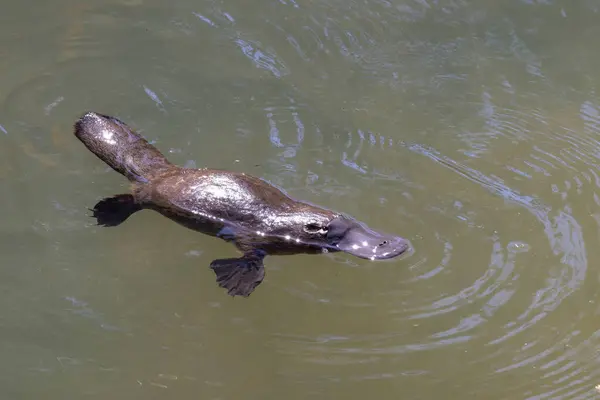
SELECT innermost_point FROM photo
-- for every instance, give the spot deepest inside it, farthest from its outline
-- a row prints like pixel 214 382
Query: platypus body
pixel 258 218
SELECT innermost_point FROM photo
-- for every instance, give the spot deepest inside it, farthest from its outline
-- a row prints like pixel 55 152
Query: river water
pixel 469 127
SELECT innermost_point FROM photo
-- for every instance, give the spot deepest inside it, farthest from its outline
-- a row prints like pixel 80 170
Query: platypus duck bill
pixel 355 238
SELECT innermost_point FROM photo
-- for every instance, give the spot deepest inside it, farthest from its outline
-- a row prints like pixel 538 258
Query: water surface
pixel 469 127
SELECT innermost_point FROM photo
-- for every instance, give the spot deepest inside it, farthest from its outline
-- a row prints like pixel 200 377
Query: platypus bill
pixel 256 217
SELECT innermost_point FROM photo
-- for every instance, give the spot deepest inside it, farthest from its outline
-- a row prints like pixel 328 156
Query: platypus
pixel 257 217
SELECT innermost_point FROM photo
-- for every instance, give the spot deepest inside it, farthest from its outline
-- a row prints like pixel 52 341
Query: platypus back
pixel 124 150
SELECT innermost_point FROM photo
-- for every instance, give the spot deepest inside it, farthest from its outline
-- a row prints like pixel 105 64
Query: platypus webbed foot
pixel 240 276
pixel 112 211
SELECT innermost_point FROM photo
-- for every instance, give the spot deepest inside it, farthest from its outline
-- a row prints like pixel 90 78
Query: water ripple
pixel 466 315
pixel 262 58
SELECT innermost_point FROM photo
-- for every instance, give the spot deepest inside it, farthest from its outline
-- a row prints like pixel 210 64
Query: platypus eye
pixel 315 228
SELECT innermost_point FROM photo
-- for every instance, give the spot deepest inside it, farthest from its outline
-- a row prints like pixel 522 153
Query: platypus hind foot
pixel 240 276
pixel 112 211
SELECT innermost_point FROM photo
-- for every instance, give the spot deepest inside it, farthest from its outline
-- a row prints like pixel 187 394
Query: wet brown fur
pixel 247 211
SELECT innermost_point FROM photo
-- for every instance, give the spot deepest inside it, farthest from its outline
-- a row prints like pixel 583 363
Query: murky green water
pixel 470 127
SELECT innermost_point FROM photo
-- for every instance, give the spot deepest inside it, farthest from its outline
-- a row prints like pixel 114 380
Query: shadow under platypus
pixel 258 218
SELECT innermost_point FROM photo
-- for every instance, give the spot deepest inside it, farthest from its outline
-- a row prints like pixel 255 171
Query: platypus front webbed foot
pixel 240 276
pixel 112 211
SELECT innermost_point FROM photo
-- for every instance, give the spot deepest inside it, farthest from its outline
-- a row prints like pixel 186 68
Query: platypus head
pixel 345 234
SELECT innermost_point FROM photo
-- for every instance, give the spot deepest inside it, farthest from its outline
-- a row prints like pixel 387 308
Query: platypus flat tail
pixel 119 146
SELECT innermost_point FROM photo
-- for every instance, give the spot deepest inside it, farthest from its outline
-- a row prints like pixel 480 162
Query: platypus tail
pixel 119 146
